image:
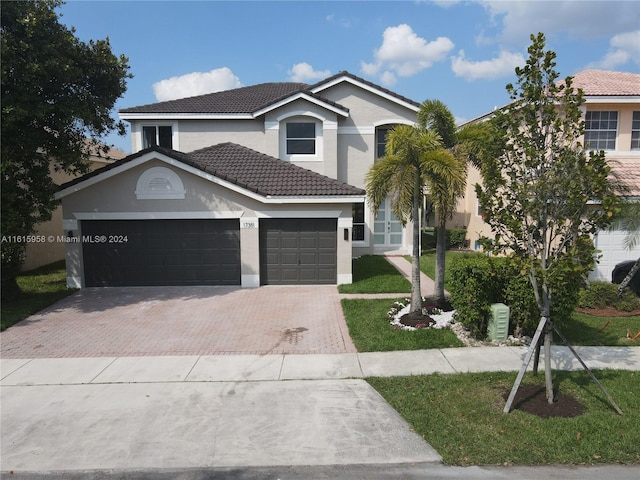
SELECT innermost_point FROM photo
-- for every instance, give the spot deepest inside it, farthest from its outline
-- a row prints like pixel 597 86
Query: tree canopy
pixel 543 194
pixel 57 97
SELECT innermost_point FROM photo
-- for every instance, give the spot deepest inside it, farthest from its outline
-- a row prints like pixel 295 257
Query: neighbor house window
pixel 157 135
pixel 301 138
pixel 635 131
pixel 381 140
pixel 601 129
pixel 357 234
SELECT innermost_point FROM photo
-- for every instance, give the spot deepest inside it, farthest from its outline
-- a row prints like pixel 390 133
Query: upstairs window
pixel 157 135
pixel 301 138
pixel 635 131
pixel 381 140
pixel 601 129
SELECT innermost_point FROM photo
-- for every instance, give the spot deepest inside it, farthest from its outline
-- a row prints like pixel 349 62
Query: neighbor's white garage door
pixel 613 251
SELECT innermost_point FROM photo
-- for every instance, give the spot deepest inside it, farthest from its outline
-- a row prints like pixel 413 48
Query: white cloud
pixel 625 48
pixel 303 72
pixel 196 83
pixel 579 19
pixel 501 66
pixel 403 53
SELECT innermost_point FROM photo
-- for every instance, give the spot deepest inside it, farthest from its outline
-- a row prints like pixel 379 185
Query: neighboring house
pixel 612 122
pixel 270 190
pixel 52 248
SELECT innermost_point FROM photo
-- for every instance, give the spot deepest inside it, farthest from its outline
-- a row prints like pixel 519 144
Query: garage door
pixel 612 248
pixel 298 251
pixel 161 252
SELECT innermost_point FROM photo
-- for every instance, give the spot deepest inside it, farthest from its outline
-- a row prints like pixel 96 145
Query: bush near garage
pixel 599 295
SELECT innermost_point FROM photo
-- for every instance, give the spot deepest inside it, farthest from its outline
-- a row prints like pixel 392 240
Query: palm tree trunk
pixel 441 250
pixel 416 293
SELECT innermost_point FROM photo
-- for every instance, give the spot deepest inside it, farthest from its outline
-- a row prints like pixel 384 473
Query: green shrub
pixel 476 281
pixel 605 295
pixel 474 286
pixel 524 313
pixel 456 238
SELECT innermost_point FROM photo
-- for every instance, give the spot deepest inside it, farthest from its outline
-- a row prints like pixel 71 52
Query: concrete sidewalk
pixel 247 368
pixel 150 413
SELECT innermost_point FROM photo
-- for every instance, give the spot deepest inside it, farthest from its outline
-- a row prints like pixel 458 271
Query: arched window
pixel 157 183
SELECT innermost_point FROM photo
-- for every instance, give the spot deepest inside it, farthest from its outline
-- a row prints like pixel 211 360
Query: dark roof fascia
pixel 330 105
pixel 344 75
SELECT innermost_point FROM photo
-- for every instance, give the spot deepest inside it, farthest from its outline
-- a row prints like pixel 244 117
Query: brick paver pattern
pixel 150 321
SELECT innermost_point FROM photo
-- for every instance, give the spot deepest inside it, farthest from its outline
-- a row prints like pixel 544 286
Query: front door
pixel 387 228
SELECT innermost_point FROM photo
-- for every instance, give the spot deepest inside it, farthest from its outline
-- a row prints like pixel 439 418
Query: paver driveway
pixel 142 321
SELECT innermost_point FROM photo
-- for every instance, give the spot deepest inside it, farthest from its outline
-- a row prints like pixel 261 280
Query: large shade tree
pixel 416 158
pixel 543 194
pixel 57 96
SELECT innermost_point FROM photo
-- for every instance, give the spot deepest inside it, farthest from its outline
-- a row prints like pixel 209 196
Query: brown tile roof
pixel 365 82
pixel 607 83
pixel 237 101
pixel 249 169
pixel 628 171
pixel 247 100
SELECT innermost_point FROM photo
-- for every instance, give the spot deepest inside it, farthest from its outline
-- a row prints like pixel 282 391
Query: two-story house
pixel 612 124
pixel 252 186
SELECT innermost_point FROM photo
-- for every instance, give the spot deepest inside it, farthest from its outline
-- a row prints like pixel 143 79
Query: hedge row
pixel 477 281
pixel 456 238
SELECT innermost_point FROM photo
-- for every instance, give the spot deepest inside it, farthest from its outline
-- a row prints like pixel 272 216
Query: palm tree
pixel 445 190
pixel 416 157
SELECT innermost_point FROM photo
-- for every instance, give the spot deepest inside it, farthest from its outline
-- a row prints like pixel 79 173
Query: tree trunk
pixel 630 275
pixel 441 250
pixel 548 378
pixel 416 292
pixel 9 288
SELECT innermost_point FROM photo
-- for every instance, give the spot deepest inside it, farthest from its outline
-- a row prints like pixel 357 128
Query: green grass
pixel 373 274
pixel 428 263
pixel 461 417
pixel 40 288
pixel 371 331
pixel 582 329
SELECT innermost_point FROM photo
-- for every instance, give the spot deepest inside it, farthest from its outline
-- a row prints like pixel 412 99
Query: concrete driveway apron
pixel 153 321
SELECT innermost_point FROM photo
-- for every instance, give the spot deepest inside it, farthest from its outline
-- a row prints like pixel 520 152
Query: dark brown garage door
pixel 161 252
pixel 298 251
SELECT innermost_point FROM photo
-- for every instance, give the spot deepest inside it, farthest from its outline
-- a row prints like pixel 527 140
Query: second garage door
pixel 161 252
pixel 298 251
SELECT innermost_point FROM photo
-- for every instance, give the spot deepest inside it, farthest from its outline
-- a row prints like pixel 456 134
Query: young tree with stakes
pixel 543 194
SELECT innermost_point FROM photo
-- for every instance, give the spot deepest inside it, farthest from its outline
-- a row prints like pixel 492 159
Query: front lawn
pixel 373 274
pixel 582 329
pixel 370 330
pixel 461 417
pixel 40 288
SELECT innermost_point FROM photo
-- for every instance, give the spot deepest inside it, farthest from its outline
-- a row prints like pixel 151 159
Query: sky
pixel 460 52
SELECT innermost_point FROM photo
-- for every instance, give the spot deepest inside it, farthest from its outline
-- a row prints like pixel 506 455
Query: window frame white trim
pixel 137 128
pixel 302 116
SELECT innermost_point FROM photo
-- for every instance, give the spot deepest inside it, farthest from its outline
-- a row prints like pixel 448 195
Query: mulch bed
pixel 607 312
pixel 533 399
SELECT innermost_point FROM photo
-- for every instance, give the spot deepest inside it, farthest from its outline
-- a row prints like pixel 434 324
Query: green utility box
pixel 499 322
